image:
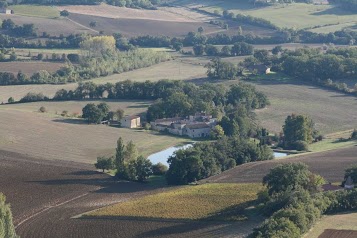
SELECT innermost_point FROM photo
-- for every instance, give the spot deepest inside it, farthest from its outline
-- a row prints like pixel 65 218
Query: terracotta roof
pixel 174 119
pixel 198 126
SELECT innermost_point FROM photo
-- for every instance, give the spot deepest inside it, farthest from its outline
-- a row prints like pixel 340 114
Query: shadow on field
pixel 333 11
pixel 106 183
pixel 71 121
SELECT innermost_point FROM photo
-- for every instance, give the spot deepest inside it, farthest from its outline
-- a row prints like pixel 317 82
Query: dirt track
pixel 331 165
pixel 45 195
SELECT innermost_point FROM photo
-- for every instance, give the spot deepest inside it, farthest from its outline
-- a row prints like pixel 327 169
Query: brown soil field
pixel 45 196
pixel 338 233
pixel 331 165
pixel 47 136
pixel 54 27
pixel 136 27
pixel 29 67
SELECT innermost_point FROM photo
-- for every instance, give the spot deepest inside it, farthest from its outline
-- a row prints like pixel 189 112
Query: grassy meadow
pixel 296 15
pixel 208 201
pixel 35 11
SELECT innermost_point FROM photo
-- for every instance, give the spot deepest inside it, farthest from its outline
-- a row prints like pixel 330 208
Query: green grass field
pixel 208 201
pixel 345 221
pixel 35 11
pixel 297 15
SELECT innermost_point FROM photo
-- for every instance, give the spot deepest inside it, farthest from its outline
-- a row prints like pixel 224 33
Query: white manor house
pixel 197 126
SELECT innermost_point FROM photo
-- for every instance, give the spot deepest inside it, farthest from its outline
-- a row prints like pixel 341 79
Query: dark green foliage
pixel 95 114
pixel 298 129
pixel 354 135
pixel 104 163
pixel 206 159
pixel 159 169
pixel 11 100
pixel 64 13
pixel 119 159
pixel 33 97
pixel 342 201
pixel 301 145
pixel 7 229
pixel 142 168
pixel 217 69
pixel 351 172
pixel 199 49
pixel 291 176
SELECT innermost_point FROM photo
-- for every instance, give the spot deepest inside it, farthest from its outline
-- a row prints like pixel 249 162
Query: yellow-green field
pixel 347 221
pixel 297 15
pixel 208 201
pixel 35 11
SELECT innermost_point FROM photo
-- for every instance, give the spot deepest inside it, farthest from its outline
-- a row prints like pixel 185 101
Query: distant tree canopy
pixel 7 229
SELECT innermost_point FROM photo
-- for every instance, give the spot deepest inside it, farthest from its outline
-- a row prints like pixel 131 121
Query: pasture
pixel 296 15
pixel 330 164
pixel 50 136
pixel 208 201
pixel 346 221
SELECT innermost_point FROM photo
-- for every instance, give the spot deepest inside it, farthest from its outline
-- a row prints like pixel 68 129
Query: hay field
pixel 346 221
pixel 174 69
pixel 297 15
pixel 29 67
pixel 44 136
pixel 208 201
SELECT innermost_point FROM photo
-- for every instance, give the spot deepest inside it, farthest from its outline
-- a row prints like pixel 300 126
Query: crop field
pixel 208 201
pixel 330 164
pixel 53 27
pixel 35 11
pixel 29 67
pixel 345 222
pixel 47 136
pixel 43 193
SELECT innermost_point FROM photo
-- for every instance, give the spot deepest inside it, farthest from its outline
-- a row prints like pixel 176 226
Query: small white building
pixel 130 122
pixel 5 11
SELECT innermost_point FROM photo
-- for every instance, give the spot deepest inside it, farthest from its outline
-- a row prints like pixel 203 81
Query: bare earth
pixel 331 165
pixel 29 68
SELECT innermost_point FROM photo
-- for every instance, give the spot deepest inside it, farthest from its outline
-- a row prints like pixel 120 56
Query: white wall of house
pixel 128 122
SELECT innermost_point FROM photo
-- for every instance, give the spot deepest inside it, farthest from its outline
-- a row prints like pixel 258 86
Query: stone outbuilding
pixel 130 122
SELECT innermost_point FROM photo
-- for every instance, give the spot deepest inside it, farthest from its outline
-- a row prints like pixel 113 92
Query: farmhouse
pixel 5 11
pixel 199 125
pixel 259 69
pixel 130 122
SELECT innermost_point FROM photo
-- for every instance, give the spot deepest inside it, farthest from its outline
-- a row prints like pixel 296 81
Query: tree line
pixel 7 229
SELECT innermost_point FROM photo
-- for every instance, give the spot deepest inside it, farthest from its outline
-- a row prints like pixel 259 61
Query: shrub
pixel 159 169
pixel 42 109
pixel 64 113
pixel 11 100
pixel 104 163
pixel 354 135
pixel 301 145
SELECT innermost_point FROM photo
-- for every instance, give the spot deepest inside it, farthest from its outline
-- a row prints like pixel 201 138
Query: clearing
pixel 345 221
pixel 296 15
pixel 35 11
pixel 203 202
pixel 330 164
pixel 50 136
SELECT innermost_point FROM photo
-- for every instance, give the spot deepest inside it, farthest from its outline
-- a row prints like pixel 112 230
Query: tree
pixel 93 24
pixel 159 169
pixel 7 229
pixel 201 30
pixel 92 113
pixel 291 176
pixel 104 163
pixel 351 172
pixel 131 152
pixel 217 132
pixel 104 108
pixel 13 56
pixel 119 158
pixel 98 46
pixel 64 13
pixel 354 135
pixel 8 24
pixel 298 128
pixel 143 168
pixel 198 49
pixel 11 100
pixel 277 49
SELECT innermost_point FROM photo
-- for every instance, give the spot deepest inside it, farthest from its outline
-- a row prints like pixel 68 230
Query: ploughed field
pixel 331 165
pixel 45 196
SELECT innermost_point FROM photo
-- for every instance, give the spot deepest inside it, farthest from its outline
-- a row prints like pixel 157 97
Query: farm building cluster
pixel 197 126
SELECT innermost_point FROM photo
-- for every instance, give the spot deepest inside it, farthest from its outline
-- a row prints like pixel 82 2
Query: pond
pixel 280 155
pixel 163 155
